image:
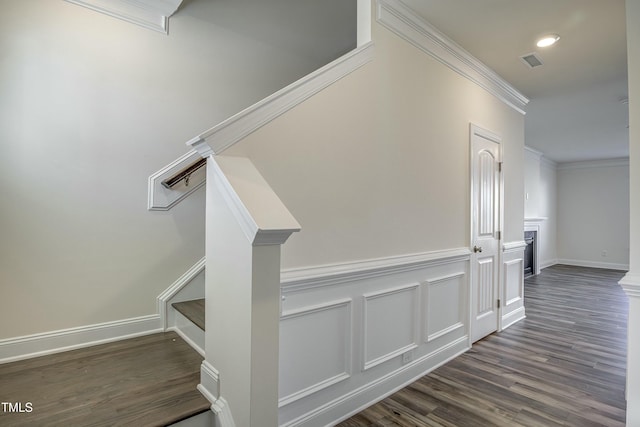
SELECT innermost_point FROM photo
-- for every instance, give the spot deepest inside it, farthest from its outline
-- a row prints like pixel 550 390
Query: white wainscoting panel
pixel 512 285
pixel 318 349
pixel 353 333
pixel 445 305
pixel 514 280
pixel 391 324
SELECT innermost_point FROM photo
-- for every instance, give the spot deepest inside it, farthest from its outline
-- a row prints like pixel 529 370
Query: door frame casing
pixel 475 130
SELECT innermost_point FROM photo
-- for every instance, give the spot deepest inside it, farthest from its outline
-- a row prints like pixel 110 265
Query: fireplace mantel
pixel 534 224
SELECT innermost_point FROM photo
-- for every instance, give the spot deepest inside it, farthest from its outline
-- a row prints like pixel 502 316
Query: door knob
pixel 477 249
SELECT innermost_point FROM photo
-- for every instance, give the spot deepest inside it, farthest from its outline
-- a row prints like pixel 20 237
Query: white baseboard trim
pixel 548 263
pixel 513 317
pixel 594 264
pixel 26 347
pixel 365 396
pixel 191 336
pixel 223 413
pixel 631 284
pixel 209 382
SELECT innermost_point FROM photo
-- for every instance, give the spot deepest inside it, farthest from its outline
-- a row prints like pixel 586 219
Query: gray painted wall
pixel 90 106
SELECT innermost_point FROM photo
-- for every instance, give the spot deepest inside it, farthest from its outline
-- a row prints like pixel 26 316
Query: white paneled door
pixel 485 231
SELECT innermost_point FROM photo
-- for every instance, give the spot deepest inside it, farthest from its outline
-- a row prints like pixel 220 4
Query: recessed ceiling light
pixel 548 40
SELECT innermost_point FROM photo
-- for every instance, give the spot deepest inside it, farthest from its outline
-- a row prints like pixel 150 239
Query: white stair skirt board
pixel 14 349
pixel 205 419
pixel 187 287
pixel 188 331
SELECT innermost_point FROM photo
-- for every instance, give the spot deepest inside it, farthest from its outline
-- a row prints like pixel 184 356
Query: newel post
pixel 246 224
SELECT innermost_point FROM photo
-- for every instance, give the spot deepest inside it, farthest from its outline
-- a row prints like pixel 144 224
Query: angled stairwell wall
pixel 375 167
pixel 90 107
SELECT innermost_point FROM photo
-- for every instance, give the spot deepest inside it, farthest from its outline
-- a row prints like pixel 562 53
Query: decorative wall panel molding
pixel 318 336
pixel 391 322
pixel 514 246
pixel 514 279
pixel 372 391
pixel 160 198
pixel 151 14
pixel 407 314
pixel 512 284
pixel 332 274
pixel 445 306
pixel 400 19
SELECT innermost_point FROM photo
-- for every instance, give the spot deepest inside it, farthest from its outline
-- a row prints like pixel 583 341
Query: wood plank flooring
pixel 192 310
pixel 145 381
pixel 564 365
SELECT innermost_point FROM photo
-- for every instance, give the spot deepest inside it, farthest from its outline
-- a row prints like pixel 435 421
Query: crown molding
pixel 545 161
pixel 406 23
pixel 533 151
pixel 150 14
pixel 605 163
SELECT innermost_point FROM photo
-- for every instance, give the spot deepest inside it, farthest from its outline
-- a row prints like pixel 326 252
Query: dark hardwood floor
pixel 145 381
pixel 564 365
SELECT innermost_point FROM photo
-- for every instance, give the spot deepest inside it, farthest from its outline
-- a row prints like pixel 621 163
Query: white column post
pixel 246 224
pixel 631 282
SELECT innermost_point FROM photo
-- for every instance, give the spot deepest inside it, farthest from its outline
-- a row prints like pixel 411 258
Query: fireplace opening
pixel 530 253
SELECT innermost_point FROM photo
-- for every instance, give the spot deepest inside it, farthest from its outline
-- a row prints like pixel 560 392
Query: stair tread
pixel 193 310
pixel 149 380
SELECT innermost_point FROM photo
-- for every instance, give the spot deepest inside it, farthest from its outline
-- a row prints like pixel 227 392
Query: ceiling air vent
pixel 531 60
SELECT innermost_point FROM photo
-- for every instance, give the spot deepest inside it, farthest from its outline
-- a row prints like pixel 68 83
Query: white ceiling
pixel 575 111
